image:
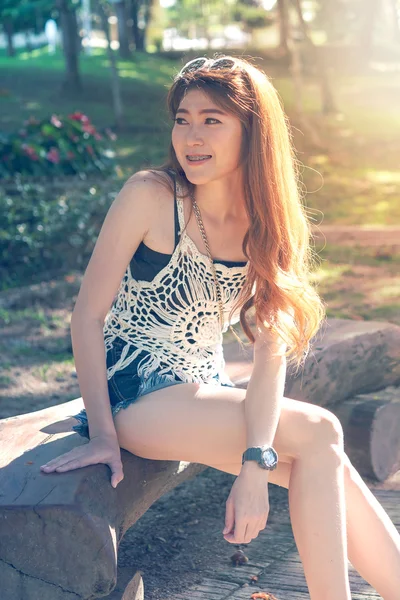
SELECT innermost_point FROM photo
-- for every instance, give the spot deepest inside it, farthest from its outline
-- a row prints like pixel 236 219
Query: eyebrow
pixel 202 112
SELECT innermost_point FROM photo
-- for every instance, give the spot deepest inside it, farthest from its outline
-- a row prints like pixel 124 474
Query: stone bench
pixel 59 533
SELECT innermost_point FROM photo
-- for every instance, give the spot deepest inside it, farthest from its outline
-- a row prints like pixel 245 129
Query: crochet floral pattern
pixel 175 317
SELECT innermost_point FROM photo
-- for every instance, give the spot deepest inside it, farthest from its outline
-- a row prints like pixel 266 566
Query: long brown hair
pixel 277 243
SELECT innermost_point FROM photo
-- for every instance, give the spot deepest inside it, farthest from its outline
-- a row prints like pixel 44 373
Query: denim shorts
pixel 126 386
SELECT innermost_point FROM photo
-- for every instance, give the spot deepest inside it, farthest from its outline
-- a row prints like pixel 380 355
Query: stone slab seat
pixel 59 533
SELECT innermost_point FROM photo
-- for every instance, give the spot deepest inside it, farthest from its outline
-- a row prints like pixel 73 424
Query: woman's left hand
pixel 247 506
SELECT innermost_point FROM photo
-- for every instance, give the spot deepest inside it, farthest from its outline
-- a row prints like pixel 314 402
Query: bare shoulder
pixel 147 191
pixel 133 215
pixel 152 181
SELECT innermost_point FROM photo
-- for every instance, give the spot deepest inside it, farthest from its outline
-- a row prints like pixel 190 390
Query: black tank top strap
pixel 176 217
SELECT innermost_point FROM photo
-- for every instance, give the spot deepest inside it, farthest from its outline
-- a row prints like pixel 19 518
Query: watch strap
pixel 252 454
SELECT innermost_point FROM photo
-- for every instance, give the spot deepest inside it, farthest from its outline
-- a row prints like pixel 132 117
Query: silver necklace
pixel 217 284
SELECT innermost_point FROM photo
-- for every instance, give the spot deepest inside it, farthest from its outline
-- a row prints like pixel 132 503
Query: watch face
pixel 269 457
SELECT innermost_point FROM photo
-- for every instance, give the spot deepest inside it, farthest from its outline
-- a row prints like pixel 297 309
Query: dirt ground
pixel 178 541
pixel 352 235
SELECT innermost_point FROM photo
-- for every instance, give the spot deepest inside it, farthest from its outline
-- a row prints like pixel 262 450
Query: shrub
pixel 50 228
pixel 57 146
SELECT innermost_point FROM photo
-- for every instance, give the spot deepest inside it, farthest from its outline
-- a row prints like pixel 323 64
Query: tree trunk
pixel 283 27
pixel 371 435
pixel 139 34
pixel 394 18
pixel 147 17
pixel 328 99
pixel 297 79
pixel 62 514
pixel 135 29
pixel 370 13
pixel 120 9
pixel 8 29
pixel 69 31
pixel 115 83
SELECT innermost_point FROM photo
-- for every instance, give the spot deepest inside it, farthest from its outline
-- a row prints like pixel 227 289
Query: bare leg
pixel 318 516
pixel 373 542
pixel 324 492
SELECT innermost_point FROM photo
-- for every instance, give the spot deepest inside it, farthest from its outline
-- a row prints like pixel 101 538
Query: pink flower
pixel 90 150
pixel 53 156
pixel 55 121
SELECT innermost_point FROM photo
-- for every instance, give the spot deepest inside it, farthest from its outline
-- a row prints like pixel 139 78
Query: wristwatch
pixel 266 456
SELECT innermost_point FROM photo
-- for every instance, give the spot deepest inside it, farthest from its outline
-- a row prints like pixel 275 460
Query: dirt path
pixel 351 235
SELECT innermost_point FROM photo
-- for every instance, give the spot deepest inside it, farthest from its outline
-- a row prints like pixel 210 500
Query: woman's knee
pixel 321 432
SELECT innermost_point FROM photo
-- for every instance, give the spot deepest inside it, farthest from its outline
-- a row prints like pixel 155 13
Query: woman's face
pixel 202 128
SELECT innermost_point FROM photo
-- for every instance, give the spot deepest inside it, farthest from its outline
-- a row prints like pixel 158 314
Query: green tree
pixel 23 15
pixel 140 13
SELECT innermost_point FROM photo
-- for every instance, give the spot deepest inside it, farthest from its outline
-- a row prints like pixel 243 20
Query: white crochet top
pixel 175 317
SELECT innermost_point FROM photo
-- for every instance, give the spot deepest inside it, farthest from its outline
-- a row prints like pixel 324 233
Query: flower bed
pixel 58 146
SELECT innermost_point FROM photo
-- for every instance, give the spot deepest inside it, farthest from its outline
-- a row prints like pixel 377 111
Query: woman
pixel 189 247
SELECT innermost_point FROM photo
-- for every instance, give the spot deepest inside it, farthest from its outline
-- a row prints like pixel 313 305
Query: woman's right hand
pixel 100 449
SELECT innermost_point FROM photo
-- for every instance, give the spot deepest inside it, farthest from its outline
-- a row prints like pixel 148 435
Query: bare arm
pixel 124 227
pixel 264 391
pixel 247 506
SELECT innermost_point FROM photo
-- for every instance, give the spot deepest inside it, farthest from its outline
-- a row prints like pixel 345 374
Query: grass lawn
pixel 354 181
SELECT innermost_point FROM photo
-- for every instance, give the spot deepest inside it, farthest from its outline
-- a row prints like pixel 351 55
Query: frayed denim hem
pixel 83 428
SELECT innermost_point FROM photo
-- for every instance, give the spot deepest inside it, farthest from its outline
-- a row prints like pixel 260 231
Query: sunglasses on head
pixel 211 63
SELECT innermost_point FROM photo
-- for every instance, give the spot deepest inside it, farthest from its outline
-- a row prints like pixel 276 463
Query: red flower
pixel 90 150
pixel 88 128
pixel 70 155
pixel 53 156
pixel 30 152
pixel 78 116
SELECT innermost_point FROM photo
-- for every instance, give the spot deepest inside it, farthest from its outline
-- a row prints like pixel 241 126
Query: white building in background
pixel 51 33
pixel 23 39
pixel 232 37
